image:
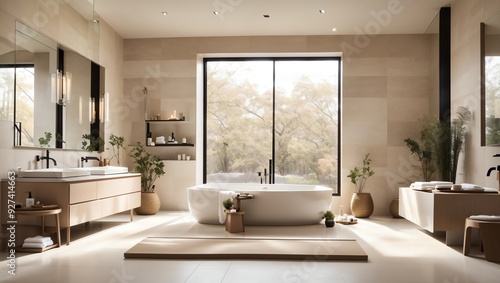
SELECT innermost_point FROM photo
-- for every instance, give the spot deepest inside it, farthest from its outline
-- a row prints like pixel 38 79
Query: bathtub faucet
pixel 271 171
pixel 260 175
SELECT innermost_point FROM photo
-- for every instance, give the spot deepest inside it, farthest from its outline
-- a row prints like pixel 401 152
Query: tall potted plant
pixel 116 143
pixel 361 203
pixel 150 167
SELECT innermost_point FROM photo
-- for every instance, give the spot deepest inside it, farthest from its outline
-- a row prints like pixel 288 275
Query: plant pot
pixel 394 208
pixel 150 204
pixel 362 205
pixel 329 223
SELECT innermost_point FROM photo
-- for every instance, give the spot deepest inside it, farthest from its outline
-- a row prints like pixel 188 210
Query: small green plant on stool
pixel 329 218
pixel 227 204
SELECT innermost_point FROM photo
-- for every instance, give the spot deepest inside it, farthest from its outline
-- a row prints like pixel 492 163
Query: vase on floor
pixel 394 208
pixel 362 205
pixel 150 204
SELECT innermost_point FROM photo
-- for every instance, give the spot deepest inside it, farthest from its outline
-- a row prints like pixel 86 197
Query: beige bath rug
pixel 247 248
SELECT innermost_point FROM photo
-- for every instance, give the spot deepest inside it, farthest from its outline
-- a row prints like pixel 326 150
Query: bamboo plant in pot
pixel 361 203
pixel 150 167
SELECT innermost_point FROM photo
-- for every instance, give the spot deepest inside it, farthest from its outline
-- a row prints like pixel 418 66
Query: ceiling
pixel 196 18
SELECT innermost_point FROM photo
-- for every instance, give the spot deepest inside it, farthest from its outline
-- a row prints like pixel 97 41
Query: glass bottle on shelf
pixel 150 138
pixel 173 137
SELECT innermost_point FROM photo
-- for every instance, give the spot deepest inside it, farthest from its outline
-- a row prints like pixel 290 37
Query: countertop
pixel 74 179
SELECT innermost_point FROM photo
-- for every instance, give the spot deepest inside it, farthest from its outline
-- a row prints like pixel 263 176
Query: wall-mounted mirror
pixel 490 77
pixel 56 100
pixel 35 62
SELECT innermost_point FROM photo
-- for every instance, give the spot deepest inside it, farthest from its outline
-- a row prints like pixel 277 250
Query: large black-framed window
pixel 272 118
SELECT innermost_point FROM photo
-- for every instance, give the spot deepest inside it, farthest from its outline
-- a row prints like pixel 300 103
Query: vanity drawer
pixel 81 192
pixel 84 212
pixel 109 188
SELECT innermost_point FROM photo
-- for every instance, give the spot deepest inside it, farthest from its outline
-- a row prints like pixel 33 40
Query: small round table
pixel 44 211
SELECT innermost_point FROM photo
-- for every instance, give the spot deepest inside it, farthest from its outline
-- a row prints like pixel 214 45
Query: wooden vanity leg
pixel 131 215
pixel 43 226
pixel 67 235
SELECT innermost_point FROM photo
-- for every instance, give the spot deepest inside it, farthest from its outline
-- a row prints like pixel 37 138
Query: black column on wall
pixel 445 64
pixel 59 107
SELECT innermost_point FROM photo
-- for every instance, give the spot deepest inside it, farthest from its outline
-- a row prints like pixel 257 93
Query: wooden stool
pixel 49 210
pixel 489 233
pixel 234 222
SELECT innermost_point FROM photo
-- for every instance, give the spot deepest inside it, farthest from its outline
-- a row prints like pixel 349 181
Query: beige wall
pixel 59 21
pixel 386 89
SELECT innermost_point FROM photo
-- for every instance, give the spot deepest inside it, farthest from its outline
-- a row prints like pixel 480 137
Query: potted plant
pixel 361 203
pixel 445 140
pixel 227 204
pixel 116 143
pixel 329 218
pixel 150 167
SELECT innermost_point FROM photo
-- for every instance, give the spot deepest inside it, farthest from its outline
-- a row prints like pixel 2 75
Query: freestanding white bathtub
pixel 274 204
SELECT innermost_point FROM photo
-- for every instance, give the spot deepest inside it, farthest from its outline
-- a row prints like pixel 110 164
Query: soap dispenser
pixel 30 201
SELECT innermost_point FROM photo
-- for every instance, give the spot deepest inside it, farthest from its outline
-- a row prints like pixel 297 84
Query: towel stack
pixel 430 185
pixel 160 140
pixel 37 242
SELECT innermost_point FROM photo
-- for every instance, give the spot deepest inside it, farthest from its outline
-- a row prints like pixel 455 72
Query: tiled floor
pixel 398 251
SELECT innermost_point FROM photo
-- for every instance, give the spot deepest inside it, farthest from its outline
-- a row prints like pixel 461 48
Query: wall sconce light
pixel 92 113
pixel 106 106
pixel 61 85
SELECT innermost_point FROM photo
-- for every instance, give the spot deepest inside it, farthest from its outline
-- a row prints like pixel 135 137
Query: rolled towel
pixel 431 184
pixel 492 218
pixel 38 239
pixel 223 195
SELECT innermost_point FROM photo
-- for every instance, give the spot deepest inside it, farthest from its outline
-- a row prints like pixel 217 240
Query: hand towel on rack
pixel 223 195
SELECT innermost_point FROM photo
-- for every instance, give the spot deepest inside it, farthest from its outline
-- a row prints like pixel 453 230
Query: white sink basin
pixel 53 173
pixel 104 170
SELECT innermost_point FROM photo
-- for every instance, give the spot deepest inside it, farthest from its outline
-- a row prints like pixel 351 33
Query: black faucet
pixel 87 158
pixel 493 168
pixel 46 157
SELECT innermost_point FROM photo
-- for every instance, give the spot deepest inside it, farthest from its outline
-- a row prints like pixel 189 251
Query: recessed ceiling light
pixel 216 13
pixel 321 11
pixel 96 21
pixel 334 29
pixel 164 13
pixel 266 16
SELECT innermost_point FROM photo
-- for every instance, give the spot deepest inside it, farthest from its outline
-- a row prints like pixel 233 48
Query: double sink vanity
pixel 83 194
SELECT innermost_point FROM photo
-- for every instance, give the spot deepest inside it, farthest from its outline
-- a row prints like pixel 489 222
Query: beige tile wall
pixel 386 89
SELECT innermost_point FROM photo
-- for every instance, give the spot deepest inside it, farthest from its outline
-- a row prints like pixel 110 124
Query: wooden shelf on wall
pixel 174 144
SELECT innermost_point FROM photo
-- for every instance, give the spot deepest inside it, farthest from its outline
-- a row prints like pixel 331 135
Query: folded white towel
pixel 38 239
pixel 431 184
pixel 493 218
pixel 37 245
pixel 223 195
pixel 467 186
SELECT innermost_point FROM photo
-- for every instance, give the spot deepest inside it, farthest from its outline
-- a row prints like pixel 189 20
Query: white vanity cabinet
pixel 82 199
